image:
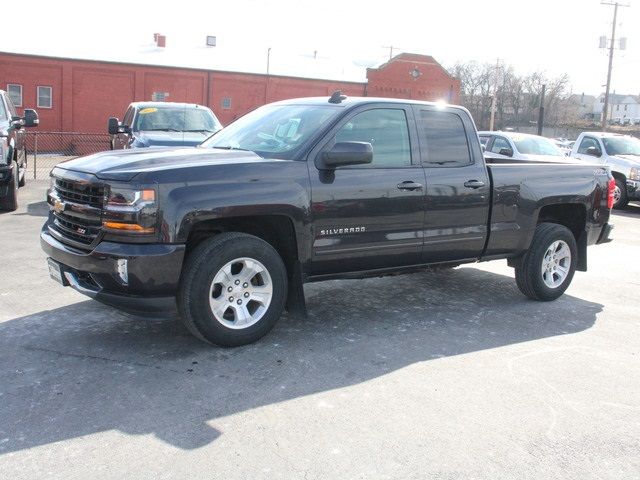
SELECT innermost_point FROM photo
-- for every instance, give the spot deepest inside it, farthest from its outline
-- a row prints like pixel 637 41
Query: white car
pixel 621 153
pixel 503 147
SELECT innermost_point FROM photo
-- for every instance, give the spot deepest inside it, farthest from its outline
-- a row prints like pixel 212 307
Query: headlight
pixel 130 211
pixel 635 174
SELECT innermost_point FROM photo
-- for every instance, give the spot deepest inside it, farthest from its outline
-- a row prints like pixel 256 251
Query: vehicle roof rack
pixel 337 97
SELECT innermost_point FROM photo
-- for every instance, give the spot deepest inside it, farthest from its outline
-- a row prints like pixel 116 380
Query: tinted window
pixel 12 110
pixel 128 117
pixel 586 143
pixel 387 132
pixel 499 143
pixel 445 138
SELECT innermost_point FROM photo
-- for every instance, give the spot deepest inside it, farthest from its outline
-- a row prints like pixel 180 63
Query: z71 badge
pixel 339 231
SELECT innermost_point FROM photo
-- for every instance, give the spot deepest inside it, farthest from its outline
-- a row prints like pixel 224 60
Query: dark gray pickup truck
pixel 307 190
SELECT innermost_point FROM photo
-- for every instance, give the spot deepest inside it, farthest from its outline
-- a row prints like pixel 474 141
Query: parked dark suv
pixel 13 151
pixel 162 124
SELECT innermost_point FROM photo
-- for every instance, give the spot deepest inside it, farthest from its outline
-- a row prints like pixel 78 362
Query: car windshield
pixel 621 145
pixel 274 131
pixel 176 119
pixel 536 146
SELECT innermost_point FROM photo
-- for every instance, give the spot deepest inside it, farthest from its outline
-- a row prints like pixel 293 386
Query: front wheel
pixel 232 290
pixel 545 271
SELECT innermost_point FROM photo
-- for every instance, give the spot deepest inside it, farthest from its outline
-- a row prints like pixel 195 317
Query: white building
pixel 623 109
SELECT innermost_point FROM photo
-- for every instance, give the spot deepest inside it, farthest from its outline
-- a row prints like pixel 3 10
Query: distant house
pixel 623 109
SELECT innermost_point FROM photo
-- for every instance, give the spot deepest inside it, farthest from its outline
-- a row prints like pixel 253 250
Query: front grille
pixel 77 220
pixel 80 192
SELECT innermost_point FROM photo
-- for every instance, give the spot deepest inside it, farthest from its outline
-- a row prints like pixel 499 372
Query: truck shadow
pixel 631 210
pixel 85 369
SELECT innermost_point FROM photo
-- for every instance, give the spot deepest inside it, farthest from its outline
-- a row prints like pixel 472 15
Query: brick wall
pixel 86 93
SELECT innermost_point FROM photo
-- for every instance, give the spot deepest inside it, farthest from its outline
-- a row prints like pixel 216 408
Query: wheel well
pixel 574 217
pixel 619 176
pixel 277 230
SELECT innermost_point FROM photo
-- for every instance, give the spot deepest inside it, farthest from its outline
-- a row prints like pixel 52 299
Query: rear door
pixel 458 187
pixel 369 217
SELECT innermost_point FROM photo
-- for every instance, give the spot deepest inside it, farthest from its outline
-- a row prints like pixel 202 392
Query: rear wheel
pixel 545 271
pixel 9 201
pixel 620 199
pixel 233 289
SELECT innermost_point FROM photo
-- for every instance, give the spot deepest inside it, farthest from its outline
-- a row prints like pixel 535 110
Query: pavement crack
pixel 97 357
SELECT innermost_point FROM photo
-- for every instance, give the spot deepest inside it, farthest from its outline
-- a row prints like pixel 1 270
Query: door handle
pixel 473 184
pixel 409 185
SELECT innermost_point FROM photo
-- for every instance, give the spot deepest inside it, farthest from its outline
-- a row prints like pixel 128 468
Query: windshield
pixel 536 146
pixel 621 145
pixel 176 119
pixel 274 131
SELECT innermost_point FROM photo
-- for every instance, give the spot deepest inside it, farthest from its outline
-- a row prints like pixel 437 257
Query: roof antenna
pixel 337 97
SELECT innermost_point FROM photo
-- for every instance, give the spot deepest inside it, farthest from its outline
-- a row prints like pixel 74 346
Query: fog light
pixel 123 271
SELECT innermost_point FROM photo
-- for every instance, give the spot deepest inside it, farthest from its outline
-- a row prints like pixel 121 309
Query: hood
pixel 627 160
pixel 144 139
pixel 123 165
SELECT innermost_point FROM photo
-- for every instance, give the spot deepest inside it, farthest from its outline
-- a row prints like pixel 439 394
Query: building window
pixel 226 103
pixel 44 97
pixel 15 93
pixel 159 96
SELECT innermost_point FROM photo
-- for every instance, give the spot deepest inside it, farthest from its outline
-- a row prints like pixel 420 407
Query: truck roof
pixel 348 101
pixel 605 134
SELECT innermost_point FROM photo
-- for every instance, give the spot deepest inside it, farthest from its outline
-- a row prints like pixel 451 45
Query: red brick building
pixel 79 95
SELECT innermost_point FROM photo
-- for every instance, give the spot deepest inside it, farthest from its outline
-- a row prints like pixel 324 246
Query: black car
pixel 307 190
pixel 162 124
pixel 13 150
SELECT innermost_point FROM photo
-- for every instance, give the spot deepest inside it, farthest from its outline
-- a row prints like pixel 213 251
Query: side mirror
pixel 31 118
pixel 594 152
pixel 507 152
pixel 113 125
pixel 345 153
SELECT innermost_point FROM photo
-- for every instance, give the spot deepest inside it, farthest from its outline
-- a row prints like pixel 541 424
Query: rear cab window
pixel 443 138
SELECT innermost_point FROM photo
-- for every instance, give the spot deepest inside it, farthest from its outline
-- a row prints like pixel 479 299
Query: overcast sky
pixel 555 36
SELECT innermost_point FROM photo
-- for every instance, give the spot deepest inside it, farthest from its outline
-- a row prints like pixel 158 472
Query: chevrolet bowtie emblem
pixel 59 206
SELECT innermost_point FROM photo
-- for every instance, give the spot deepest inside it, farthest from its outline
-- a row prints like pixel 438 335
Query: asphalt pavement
pixel 436 375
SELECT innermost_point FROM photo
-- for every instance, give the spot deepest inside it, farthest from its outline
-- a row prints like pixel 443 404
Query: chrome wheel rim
pixel 556 264
pixel 616 194
pixel 240 293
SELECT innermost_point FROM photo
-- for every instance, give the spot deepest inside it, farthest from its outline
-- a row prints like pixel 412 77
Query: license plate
pixel 55 272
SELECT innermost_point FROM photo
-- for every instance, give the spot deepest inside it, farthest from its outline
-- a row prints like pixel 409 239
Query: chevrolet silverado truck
pixel 307 190
pixel 620 153
pixel 162 124
pixel 13 150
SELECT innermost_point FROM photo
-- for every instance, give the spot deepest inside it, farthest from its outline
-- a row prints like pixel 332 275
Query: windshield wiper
pixel 228 147
pixel 163 130
pixel 203 130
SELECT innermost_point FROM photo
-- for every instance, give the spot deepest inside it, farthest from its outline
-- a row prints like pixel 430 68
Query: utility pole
pixel 493 97
pixel 541 111
pixel 605 108
pixel 266 80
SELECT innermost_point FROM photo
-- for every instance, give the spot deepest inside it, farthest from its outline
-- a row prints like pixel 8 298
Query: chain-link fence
pixel 46 149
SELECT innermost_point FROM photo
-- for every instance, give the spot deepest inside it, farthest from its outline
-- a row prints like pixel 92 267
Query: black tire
pixel 9 201
pixel 23 180
pixel 624 199
pixel 200 268
pixel 529 277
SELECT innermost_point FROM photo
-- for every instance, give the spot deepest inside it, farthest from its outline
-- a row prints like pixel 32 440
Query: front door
pixel 458 187
pixel 369 217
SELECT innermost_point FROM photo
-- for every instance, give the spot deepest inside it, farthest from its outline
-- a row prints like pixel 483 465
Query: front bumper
pixel 153 273
pixel 633 189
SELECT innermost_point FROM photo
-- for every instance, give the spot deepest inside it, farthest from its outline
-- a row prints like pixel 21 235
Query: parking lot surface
pixel 446 375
